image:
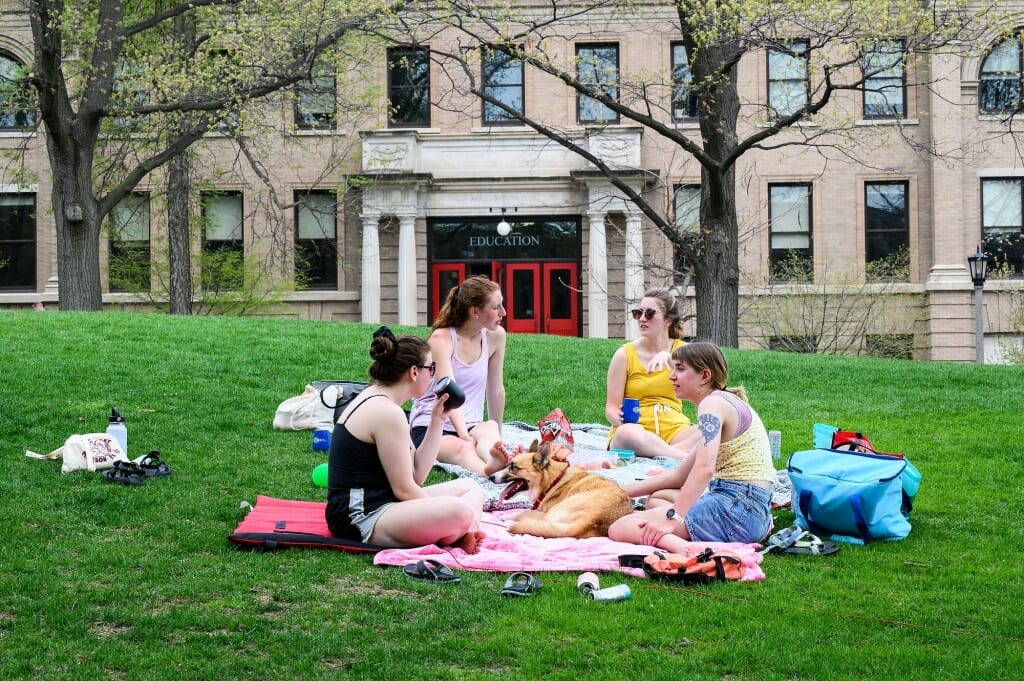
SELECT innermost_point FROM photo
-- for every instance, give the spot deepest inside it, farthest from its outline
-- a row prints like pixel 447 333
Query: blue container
pixel 321 440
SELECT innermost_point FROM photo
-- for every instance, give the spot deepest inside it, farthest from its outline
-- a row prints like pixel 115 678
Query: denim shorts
pixel 731 511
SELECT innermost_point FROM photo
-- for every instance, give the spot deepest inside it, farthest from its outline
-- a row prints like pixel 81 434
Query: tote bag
pixel 851 496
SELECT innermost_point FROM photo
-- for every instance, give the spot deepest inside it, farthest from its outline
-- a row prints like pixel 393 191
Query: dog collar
pixel 543 494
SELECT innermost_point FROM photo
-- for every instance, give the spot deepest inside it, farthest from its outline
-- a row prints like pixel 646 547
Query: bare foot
pixel 471 541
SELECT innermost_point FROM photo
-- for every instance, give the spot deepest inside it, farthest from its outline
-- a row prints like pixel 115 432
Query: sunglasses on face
pixel 647 314
pixel 432 368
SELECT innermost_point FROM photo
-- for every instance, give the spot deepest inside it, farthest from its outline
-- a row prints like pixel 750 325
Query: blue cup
pixel 321 440
pixel 630 410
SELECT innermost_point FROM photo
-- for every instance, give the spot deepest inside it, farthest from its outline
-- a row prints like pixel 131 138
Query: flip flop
pixel 431 570
pixel 153 466
pixel 124 473
pixel 521 584
pixel 783 539
pixel 810 545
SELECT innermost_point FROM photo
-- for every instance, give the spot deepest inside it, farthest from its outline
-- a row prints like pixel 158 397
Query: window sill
pixel 869 122
pixel 318 132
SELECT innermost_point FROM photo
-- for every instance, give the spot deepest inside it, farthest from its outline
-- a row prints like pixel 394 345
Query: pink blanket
pixel 505 552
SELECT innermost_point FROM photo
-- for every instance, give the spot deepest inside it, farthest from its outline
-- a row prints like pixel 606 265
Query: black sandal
pixel 124 473
pixel 152 466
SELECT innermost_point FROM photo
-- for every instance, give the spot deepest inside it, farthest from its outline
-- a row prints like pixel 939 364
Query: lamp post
pixel 977 262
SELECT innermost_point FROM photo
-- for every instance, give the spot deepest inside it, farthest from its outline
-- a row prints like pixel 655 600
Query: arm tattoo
pixel 710 427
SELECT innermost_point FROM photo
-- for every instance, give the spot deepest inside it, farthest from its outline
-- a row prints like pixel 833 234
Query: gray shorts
pixel 365 522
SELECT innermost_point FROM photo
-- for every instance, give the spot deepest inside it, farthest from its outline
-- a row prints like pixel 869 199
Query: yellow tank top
pixel 661 412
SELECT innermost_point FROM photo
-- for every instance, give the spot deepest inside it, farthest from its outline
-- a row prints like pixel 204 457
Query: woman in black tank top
pixel 375 473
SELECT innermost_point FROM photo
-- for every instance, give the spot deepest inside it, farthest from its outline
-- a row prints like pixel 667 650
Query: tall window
pixel 1002 208
pixel 17 101
pixel 222 258
pixel 999 89
pixel 225 64
pixel 130 91
pixel 128 268
pixel 18 242
pixel 502 80
pixel 316 243
pixel 316 102
pixel 885 94
pixel 789 215
pixel 887 230
pixel 409 87
pixel 787 78
pixel 598 68
pixel 687 221
pixel 684 101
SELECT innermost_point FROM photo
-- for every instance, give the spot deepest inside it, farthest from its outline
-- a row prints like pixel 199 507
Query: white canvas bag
pixel 303 412
pixel 92 452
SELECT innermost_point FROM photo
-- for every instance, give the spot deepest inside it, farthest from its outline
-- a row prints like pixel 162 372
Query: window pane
pixel 787 79
pixel 522 290
pixel 316 216
pixel 17 241
pixel 409 86
pixel 503 80
pixel 223 217
pixel 129 220
pixel 598 66
pixel 17 100
pixel 687 205
pixel 559 293
pixel 316 102
pixel 1005 58
pixel 684 101
pixel 790 208
pixel 1001 203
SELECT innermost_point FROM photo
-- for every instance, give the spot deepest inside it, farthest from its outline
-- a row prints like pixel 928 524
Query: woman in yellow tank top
pixel 640 370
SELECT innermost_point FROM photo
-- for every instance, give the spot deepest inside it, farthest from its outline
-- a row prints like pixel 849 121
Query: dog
pixel 567 501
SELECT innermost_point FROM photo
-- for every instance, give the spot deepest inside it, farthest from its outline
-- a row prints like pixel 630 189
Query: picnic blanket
pixel 502 551
pixel 590 453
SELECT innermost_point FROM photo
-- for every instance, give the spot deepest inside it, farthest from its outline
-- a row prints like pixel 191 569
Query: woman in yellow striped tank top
pixel 640 370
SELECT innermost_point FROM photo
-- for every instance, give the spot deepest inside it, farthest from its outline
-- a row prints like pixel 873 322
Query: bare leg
pixel 630 528
pixel 460 452
pixel 446 517
pixel 645 443
pixel 487 434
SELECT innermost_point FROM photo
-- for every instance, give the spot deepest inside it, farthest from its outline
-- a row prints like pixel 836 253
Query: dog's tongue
pixel 513 488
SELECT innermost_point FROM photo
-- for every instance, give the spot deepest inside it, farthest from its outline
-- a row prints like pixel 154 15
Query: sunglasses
pixel 647 314
pixel 432 368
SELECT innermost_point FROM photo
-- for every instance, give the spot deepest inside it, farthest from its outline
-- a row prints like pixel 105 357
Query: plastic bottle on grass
pixel 589 586
pixel 117 429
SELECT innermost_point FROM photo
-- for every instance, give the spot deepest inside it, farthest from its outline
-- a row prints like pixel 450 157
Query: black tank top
pixel 356 482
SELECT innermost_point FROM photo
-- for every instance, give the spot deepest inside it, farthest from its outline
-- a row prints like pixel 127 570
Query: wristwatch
pixel 674 515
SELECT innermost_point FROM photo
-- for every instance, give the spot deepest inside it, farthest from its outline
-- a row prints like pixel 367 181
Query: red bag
pixel 555 428
pixel 855 442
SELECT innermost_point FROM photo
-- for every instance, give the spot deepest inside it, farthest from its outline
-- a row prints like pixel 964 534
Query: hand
pixel 439 412
pixel 662 360
pixel 652 530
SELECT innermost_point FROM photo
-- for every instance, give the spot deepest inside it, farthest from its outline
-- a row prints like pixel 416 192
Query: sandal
pixel 810 545
pixel 124 473
pixel 783 540
pixel 521 584
pixel 153 466
pixel 431 570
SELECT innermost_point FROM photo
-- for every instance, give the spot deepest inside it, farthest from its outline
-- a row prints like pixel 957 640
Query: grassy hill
pixel 105 581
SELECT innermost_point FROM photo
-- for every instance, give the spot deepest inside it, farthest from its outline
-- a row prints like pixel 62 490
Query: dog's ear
pixel 533 446
pixel 542 456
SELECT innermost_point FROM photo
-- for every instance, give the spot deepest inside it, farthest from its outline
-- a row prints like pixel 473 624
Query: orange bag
pixel 710 565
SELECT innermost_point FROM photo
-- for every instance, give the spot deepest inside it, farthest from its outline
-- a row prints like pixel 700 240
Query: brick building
pixel 449 187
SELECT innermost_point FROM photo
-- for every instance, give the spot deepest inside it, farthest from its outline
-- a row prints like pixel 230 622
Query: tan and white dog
pixel 567 501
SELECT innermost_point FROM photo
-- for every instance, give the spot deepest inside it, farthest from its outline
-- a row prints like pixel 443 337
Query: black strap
pixel 359 405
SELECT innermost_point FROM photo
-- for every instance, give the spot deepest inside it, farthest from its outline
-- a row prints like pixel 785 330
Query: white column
pixel 634 271
pixel 370 294
pixel 597 276
pixel 407 269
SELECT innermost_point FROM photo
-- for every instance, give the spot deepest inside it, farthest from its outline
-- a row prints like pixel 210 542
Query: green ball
pixel 320 475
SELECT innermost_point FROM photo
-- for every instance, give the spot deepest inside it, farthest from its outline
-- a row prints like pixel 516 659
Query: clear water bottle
pixel 117 430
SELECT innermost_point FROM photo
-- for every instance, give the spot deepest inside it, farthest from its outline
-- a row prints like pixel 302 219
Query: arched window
pixel 17 101
pixel 1000 88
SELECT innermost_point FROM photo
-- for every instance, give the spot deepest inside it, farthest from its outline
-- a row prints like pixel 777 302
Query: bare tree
pixel 832 40
pixel 87 57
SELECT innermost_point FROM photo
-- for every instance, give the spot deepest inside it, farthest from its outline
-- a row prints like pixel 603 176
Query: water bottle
pixel 619 592
pixel 117 430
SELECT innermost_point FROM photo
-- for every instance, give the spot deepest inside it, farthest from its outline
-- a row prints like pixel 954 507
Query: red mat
pixel 283 523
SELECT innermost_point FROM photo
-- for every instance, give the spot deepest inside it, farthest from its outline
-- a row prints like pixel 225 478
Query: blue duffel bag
pixel 852 496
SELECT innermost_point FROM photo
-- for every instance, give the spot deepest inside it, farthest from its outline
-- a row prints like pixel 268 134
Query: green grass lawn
pixel 106 581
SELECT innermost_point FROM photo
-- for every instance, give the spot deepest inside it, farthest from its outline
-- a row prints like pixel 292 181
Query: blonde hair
pixel 703 355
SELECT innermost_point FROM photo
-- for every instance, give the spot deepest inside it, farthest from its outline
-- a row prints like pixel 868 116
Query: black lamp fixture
pixel 977 262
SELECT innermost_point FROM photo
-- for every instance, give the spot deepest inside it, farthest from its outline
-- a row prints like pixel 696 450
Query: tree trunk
pixel 179 247
pixel 77 221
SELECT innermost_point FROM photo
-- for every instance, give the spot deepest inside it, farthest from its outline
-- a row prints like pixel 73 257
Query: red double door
pixel 540 297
